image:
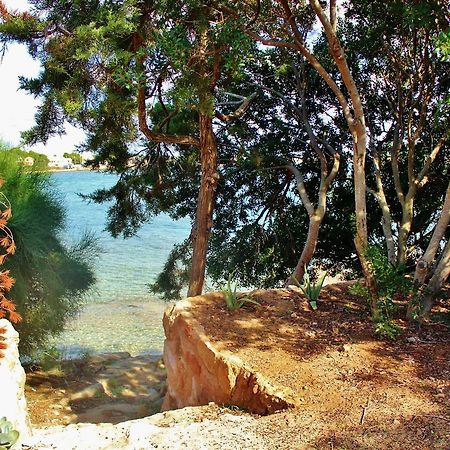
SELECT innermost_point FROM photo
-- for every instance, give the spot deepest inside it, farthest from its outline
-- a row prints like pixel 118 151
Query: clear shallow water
pixel 120 314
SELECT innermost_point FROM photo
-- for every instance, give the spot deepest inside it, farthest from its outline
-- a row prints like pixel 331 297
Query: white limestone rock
pixel 13 405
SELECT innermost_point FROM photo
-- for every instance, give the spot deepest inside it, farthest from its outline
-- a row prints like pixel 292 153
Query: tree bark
pixel 205 204
pixel 308 249
pixel 425 262
pixel 405 226
pixel 437 280
pixel 386 221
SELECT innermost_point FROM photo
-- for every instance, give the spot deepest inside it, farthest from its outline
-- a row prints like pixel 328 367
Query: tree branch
pixel 158 137
pixel 333 18
pixel 421 178
pixel 239 112
pixel 290 19
pixel 301 188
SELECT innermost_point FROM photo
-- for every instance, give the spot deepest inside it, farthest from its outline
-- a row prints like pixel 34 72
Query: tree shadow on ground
pixel 422 431
pixel 108 388
pixel 334 364
pixel 285 318
pixel 285 322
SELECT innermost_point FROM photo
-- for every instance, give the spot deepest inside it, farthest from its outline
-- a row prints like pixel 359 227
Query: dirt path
pixel 108 388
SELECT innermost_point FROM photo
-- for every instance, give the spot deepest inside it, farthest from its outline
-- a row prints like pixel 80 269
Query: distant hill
pixel 33 160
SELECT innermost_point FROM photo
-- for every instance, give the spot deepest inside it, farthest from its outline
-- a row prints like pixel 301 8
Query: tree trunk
pixel 387 231
pixel 386 223
pixel 361 238
pixel 308 249
pixel 386 220
pixel 437 280
pixel 205 205
pixel 427 259
pixel 405 227
pixel 357 125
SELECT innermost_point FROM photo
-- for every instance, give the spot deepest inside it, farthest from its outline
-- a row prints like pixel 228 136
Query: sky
pixel 17 109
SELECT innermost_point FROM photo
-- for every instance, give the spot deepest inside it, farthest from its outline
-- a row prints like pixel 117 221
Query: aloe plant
pixel 312 290
pixel 232 300
pixel 8 436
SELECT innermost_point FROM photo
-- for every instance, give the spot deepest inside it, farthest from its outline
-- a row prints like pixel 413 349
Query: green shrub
pixel 51 277
pixel 311 290
pixel 232 299
pixel 390 281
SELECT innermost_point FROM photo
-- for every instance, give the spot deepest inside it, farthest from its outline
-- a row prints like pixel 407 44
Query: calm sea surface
pixel 120 314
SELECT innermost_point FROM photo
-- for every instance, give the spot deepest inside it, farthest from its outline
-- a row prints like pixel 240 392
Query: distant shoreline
pixel 78 169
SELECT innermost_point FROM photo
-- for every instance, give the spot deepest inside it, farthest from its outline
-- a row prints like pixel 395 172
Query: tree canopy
pixel 291 133
pixel 28 159
pixel 75 157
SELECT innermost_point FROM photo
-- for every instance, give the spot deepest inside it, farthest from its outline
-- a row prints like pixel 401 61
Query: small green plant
pixel 8 436
pixel 386 329
pixel 115 387
pixel 50 359
pixel 358 290
pixel 311 290
pixel 415 304
pixel 232 299
pixel 390 281
pixel 100 394
pixel 117 391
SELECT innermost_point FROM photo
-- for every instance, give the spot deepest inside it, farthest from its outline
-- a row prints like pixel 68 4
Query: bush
pixel 390 281
pixel 51 278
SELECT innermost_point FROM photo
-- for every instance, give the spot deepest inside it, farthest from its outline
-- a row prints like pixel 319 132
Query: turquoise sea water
pixel 120 314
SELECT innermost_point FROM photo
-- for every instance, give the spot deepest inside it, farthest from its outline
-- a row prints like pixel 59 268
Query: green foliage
pixel 175 274
pixel 232 299
pixel 233 408
pixel 443 46
pixel 310 289
pixel 386 329
pixel 75 157
pixel 391 280
pixel 17 155
pixel 51 277
pixel 8 436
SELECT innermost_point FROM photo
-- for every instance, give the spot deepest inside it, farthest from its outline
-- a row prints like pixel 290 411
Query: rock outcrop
pixel 198 373
pixel 198 428
pixel 12 381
